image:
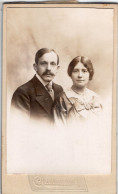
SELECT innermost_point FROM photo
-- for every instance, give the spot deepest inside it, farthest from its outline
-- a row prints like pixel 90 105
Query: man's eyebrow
pixel 53 62
pixel 43 62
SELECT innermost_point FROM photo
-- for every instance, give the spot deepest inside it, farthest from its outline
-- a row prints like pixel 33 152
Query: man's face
pixel 47 66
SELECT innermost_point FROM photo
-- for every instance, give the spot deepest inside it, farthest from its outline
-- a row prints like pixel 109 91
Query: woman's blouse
pixel 72 106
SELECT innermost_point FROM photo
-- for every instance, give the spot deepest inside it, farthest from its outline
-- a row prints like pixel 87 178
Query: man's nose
pixel 48 66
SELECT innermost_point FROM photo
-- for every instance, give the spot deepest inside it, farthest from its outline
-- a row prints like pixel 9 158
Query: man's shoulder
pixel 25 87
pixel 57 86
pixel 57 90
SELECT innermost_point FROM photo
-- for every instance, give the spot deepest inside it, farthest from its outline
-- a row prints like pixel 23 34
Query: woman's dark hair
pixel 43 51
pixel 85 61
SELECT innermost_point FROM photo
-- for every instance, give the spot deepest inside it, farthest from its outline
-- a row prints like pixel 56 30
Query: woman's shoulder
pixel 94 98
pixel 92 93
pixel 70 93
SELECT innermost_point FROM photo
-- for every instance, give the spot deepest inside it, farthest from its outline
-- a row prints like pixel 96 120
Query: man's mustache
pixel 48 73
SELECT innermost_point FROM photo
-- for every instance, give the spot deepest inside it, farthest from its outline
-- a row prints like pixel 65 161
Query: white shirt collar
pixel 42 81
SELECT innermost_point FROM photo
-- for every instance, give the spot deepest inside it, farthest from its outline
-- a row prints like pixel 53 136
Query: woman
pixel 78 103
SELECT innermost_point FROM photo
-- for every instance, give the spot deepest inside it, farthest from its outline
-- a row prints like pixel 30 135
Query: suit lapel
pixel 42 95
pixel 57 90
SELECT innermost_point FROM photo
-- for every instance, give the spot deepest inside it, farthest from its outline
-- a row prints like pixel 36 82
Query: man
pixel 35 98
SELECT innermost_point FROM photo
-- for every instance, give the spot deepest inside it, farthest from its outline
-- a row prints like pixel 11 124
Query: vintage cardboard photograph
pixel 59 98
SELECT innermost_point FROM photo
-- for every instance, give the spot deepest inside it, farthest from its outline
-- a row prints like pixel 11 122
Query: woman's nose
pixel 79 74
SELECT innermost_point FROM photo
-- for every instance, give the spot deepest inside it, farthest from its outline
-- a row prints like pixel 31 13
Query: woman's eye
pixel 84 70
pixel 75 70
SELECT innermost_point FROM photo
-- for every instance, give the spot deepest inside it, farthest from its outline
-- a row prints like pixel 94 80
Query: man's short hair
pixel 43 51
pixel 85 61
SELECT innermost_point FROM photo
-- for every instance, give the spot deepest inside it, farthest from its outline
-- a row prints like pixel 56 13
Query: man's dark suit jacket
pixel 33 99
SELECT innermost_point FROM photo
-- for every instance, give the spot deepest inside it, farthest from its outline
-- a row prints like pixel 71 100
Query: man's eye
pixel 53 63
pixel 43 63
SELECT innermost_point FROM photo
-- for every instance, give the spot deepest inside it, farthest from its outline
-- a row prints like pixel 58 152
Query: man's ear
pixel 58 67
pixel 35 66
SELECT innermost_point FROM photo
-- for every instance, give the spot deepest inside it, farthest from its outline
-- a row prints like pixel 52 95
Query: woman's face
pixel 80 75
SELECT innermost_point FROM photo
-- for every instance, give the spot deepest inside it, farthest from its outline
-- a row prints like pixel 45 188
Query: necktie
pixel 50 90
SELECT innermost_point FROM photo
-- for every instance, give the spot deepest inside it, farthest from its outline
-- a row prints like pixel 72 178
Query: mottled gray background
pixel 71 32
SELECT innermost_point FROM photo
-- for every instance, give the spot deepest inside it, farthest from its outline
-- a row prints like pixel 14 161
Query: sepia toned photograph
pixel 59 90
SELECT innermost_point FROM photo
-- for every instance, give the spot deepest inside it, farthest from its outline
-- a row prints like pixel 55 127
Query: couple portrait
pixel 59 72
pixel 59 98
pixel 43 100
